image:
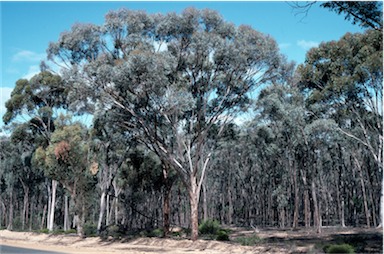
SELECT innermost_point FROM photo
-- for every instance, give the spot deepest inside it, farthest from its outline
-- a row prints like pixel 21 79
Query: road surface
pixel 6 249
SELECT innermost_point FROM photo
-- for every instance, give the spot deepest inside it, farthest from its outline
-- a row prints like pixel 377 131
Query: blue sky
pixel 28 27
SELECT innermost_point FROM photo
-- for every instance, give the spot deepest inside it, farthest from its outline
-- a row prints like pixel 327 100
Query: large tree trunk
pixel 166 211
pixel 194 202
pixel 166 200
pixel 51 216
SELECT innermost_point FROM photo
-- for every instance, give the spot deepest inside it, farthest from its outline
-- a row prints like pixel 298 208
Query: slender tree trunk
pixel 107 215
pixel 25 205
pixel 102 210
pixel 10 218
pixel 66 213
pixel 381 204
pixel 43 217
pixel 53 204
pixel 340 206
pixel 49 205
pixel 366 209
pixel 117 210
pixel 31 208
pixel 2 212
pixel 230 204
pixel 374 214
pixel 205 205
pixel 316 215
pixel 296 209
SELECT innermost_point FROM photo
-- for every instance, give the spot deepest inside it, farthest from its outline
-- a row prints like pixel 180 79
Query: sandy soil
pixel 74 244
pixel 273 241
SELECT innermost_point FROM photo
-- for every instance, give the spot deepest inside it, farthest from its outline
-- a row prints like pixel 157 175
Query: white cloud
pixel 28 56
pixel 5 94
pixel 284 45
pixel 306 45
pixel 32 71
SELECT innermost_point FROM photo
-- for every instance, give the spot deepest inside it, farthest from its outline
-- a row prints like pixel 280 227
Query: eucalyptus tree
pixel 66 160
pixel 343 81
pixel 169 78
pixel 110 150
pixel 367 14
pixel 36 103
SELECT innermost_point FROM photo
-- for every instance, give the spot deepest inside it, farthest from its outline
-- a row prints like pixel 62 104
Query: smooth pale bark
pixel 107 219
pixel 51 216
pixel 366 209
pixel 117 210
pixel 340 206
pixel 102 210
pixel 49 204
pixel 10 218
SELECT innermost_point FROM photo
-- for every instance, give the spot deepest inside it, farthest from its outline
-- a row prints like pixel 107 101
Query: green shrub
pixel 222 235
pixel 70 231
pixel 340 248
pixel 90 229
pixel 209 227
pixel 116 231
pixel 152 233
pixel 58 231
pixel 44 231
pixel 248 240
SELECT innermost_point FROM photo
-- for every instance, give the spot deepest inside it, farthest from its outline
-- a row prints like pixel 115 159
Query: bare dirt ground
pixel 268 241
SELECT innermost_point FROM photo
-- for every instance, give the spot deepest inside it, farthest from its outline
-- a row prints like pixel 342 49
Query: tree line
pixel 164 145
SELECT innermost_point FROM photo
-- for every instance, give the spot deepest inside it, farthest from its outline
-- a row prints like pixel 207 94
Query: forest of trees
pixel 152 122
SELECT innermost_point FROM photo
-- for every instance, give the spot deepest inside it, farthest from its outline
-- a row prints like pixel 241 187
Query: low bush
pixel 44 231
pixel 209 227
pixel 152 233
pixel 248 240
pixel 340 248
pixel 90 229
pixel 58 231
pixel 222 235
pixel 70 231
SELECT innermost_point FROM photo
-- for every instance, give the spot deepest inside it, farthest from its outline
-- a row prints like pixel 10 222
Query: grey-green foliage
pixel 340 248
pixel 368 14
pixel 36 97
pixel 157 66
pixel 170 77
